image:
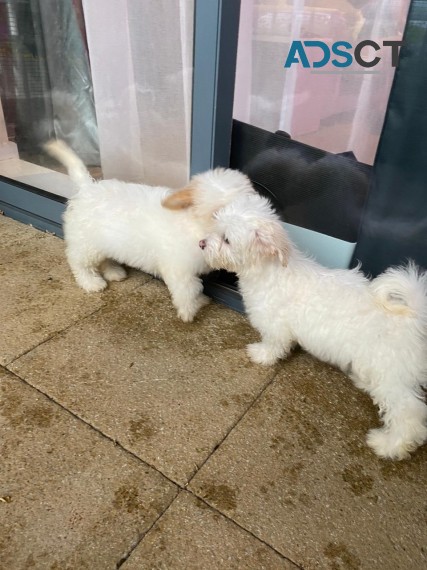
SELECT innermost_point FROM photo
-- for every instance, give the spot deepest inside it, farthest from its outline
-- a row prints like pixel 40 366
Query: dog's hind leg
pixel 85 268
pixel 187 294
pixel 404 415
pixel 112 271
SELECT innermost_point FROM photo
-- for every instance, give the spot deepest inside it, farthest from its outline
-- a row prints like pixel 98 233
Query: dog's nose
pixel 202 243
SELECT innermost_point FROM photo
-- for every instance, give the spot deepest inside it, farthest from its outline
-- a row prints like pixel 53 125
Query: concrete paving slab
pixel 191 536
pixel 39 294
pixel 12 232
pixel 166 390
pixel 69 498
pixel 297 473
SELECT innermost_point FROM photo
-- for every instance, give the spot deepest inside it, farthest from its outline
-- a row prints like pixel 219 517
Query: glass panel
pixel 330 108
pixel 112 79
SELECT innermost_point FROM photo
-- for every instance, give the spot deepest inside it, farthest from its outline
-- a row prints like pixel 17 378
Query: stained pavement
pixel 129 439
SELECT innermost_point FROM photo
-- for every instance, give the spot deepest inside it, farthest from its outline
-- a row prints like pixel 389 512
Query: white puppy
pixel 375 331
pixel 109 223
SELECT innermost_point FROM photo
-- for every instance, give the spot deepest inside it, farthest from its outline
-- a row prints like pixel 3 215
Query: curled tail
pixel 75 167
pixel 402 291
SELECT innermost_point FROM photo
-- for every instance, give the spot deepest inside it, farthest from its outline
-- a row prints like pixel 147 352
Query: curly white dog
pixel 109 223
pixel 375 331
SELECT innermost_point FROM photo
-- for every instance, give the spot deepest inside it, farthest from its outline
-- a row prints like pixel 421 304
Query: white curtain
pixel 141 60
pixel 7 148
pixel 335 112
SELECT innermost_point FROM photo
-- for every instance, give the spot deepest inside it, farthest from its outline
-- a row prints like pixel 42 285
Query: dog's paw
pixel 187 315
pixel 386 445
pixel 261 354
pixel 94 284
pixel 114 273
pixel 202 301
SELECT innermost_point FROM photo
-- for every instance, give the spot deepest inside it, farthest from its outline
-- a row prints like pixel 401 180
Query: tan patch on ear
pixel 282 251
pixel 394 308
pixel 180 200
pixel 273 242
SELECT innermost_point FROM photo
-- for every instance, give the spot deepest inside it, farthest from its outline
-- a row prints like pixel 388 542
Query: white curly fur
pixel 109 223
pixel 375 331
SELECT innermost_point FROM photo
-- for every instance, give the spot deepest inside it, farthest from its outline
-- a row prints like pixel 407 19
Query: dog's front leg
pixel 271 348
pixel 187 294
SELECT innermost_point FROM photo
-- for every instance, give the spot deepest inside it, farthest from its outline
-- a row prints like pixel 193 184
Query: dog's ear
pixel 181 199
pixel 271 241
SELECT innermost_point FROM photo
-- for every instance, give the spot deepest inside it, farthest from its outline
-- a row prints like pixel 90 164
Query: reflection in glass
pixel 338 111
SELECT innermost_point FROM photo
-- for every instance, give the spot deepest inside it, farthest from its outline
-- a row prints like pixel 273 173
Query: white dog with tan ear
pixel 109 223
pixel 375 331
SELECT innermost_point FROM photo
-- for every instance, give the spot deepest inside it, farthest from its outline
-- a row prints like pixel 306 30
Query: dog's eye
pixel 227 241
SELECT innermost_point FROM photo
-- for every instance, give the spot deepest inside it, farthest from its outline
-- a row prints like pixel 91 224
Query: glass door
pixel 313 81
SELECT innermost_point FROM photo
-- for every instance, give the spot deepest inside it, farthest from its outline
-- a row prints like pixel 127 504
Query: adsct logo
pixel 344 53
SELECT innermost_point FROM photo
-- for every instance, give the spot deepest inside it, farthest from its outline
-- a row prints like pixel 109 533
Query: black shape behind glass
pixel 309 187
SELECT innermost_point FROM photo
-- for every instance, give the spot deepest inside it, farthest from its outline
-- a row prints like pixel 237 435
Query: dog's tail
pixel 402 291
pixel 75 167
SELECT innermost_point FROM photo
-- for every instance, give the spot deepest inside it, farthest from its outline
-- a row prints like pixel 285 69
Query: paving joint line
pixel 105 304
pixel 51 336
pixel 97 430
pixel 178 486
pixel 213 508
pixel 235 424
pixel 144 534
pixel 125 449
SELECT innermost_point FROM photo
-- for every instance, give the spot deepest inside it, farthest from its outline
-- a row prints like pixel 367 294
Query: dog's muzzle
pixel 202 244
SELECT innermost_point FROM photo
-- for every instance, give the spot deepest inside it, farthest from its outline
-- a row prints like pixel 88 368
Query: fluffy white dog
pixel 109 223
pixel 375 331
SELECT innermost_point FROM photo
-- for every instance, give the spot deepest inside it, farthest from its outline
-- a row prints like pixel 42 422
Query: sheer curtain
pixel 7 148
pixel 141 61
pixel 335 112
